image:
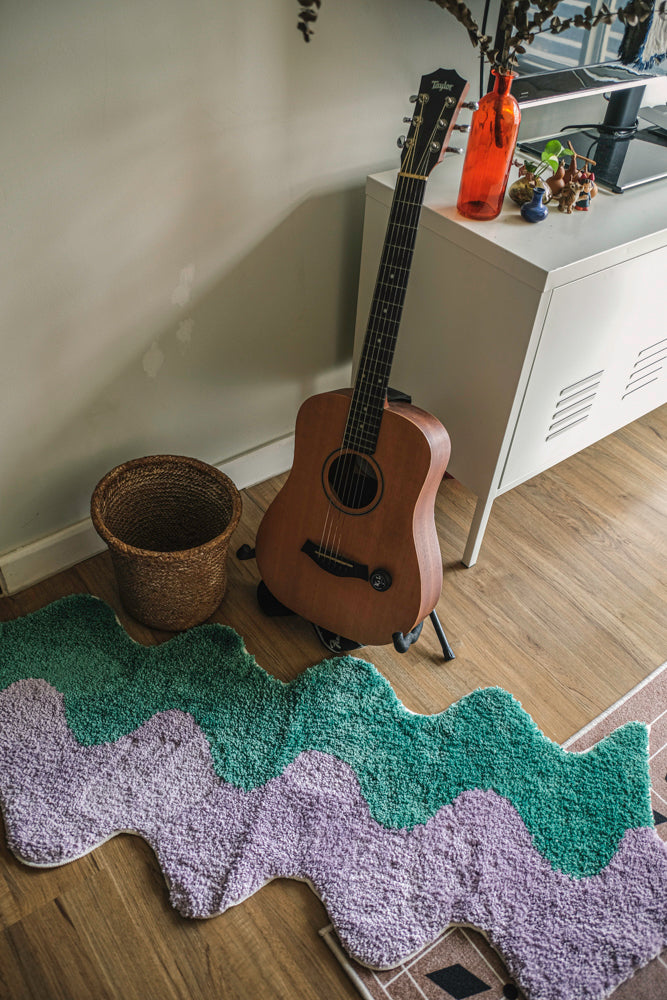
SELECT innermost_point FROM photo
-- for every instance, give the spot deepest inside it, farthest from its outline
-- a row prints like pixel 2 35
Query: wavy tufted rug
pixel 401 823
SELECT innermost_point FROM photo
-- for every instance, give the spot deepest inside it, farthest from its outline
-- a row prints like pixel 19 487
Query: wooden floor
pixel 566 609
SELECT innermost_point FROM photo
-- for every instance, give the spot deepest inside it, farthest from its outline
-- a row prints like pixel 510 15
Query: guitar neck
pixel 372 380
pixel 440 96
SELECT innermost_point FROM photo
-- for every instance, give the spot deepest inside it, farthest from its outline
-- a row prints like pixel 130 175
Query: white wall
pixel 181 200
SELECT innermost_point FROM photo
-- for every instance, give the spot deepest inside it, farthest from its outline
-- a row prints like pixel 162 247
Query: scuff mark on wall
pixel 181 294
pixel 153 360
pixel 184 334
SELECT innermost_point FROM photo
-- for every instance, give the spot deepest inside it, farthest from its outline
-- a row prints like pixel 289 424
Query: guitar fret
pixel 360 430
pixel 366 446
pixel 359 433
pixel 398 260
pixel 388 309
pixel 371 411
pixel 403 225
pixel 376 374
pixel 378 346
pixel 375 390
pixel 381 342
pixel 389 303
pixel 392 278
pixel 390 272
pixel 382 324
pixel 379 373
pixel 381 339
pixel 360 444
pixel 374 398
pixel 398 246
pixel 395 276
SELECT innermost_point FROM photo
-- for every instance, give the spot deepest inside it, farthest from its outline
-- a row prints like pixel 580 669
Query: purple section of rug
pixel 388 892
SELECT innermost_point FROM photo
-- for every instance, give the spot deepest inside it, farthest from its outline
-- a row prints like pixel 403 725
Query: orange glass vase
pixel 488 158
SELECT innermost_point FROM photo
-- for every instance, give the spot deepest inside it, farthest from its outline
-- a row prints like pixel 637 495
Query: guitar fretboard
pixel 372 379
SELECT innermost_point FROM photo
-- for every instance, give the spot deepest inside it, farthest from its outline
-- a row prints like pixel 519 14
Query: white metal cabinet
pixel 529 342
pixel 591 377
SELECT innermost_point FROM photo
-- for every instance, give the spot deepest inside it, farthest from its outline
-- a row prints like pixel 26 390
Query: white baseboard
pixel 36 561
pixel 28 564
pixel 261 463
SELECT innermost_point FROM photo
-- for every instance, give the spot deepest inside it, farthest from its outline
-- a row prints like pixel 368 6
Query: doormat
pixel 461 963
pixel 401 823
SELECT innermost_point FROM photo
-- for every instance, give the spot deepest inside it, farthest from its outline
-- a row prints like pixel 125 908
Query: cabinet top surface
pixel 562 248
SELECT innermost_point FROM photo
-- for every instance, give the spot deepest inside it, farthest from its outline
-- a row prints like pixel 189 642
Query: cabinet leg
pixel 477 529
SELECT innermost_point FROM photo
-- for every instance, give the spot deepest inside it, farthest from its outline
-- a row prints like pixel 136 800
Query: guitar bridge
pixel 334 563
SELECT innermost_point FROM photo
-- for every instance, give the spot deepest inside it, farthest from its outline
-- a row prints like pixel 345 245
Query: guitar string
pixel 365 408
pixel 384 329
pixel 377 331
pixel 384 325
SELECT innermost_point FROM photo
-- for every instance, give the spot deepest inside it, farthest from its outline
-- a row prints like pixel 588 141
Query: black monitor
pixel 578 63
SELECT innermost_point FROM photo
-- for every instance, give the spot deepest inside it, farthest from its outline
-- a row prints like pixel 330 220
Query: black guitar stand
pixel 403 642
pixel 335 643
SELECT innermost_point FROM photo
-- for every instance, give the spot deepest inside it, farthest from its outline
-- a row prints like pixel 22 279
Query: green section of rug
pixel 408 765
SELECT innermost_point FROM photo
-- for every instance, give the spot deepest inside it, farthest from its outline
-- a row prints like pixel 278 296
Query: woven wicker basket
pixel 167 520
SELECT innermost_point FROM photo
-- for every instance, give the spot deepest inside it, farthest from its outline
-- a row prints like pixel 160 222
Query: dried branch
pixel 522 22
pixel 307 17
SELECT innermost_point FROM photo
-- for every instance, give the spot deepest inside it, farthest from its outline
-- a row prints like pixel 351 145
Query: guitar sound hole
pixel 353 481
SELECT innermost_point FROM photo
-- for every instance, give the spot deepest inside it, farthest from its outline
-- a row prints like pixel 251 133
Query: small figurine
pixel 584 200
pixel 568 196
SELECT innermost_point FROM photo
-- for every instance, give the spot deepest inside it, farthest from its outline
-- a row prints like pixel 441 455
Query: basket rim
pixel 114 474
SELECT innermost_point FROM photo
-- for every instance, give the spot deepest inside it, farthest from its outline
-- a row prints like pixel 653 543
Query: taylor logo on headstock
pixel 438 103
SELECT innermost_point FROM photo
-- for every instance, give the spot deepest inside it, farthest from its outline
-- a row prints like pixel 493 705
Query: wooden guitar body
pixel 350 543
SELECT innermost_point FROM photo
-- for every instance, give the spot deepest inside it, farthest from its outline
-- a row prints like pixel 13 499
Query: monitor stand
pixel 624 155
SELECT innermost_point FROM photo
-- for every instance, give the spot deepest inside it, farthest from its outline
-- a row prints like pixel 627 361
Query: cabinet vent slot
pixel 646 369
pixel 574 404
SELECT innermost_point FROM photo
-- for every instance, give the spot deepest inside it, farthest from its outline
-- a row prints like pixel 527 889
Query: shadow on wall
pixel 226 375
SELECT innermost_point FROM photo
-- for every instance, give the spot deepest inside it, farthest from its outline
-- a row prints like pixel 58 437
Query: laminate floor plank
pixel 24 889
pixel 84 943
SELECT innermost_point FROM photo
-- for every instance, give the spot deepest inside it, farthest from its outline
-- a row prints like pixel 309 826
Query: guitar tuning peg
pixel 400 142
pixel 413 98
pixel 462 128
pixel 470 105
pixel 454 149
pixel 407 120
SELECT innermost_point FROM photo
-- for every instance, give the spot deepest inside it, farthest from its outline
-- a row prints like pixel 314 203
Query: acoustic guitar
pixel 349 543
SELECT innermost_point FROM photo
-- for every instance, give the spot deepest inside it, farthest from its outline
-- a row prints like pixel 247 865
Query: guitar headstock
pixel 437 105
